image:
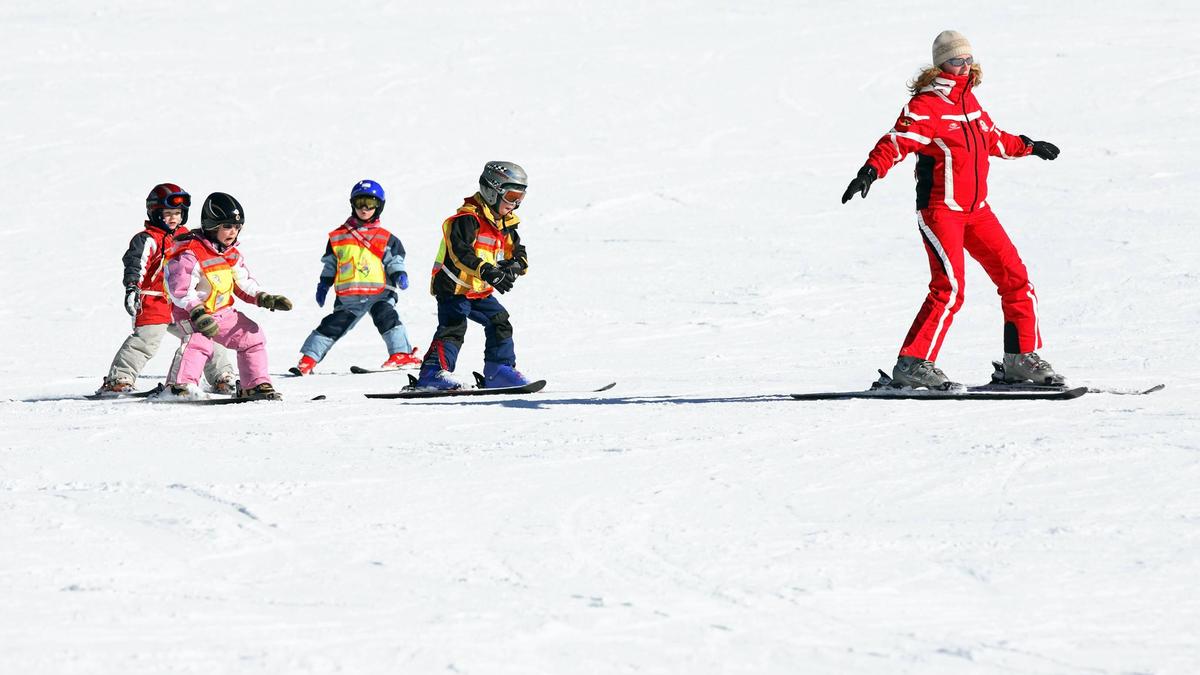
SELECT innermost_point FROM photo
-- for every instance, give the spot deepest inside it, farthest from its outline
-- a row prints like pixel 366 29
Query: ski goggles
pixel 231 226
pixel 513 196
pixel 176 200
pixel 959 61
pixel 365 203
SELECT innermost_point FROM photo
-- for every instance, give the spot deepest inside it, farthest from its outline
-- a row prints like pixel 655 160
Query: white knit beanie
pixel 949 44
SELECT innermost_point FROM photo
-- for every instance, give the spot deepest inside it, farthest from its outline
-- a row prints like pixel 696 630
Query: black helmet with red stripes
pixel 166 196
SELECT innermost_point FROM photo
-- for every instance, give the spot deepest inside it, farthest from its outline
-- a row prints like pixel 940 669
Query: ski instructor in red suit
pixel 954 139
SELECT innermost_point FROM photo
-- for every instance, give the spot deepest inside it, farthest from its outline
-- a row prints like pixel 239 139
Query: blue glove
pixel 322 291
pixel 402 281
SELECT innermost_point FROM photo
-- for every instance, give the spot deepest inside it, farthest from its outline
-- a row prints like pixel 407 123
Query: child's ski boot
pixel 181 392
pixel 306 365
pixel 226 385
pixel 116 385
pixel 402 360
pixel 498 375
pixel 436 379
pixel 262 392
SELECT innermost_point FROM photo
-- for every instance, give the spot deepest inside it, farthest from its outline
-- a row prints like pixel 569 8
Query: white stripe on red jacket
pixel 953 137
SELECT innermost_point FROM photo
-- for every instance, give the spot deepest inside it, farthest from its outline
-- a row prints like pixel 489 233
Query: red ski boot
pixel 306 365
pixel 402 360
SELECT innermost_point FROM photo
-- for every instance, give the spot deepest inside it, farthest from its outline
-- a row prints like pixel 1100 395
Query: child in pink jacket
pixel 203 274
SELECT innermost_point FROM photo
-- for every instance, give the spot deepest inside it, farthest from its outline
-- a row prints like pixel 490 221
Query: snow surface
pixel 687 241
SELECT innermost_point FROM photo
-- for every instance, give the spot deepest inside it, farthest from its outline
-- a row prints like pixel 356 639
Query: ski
pixel 224 400
pixel 998 384
pixel 968 394
pixel 359 370
pixel 354 370
pixel 411 390
pixel 112 395
pixel 884 389
pixel 1126 392
pixel 1031 387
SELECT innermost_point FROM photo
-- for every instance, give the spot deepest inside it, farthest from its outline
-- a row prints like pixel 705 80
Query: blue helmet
pixel 368 188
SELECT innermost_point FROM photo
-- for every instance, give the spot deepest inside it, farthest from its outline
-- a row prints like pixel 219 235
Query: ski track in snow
pixel 686 241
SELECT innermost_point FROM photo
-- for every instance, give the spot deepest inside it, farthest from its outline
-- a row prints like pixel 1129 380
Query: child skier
pixel 166 213
pixel 364 264
pixel 953 138
pixel 480 252
pixel 203 274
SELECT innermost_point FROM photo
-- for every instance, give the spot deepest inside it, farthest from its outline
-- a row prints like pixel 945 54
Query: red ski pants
pixel 946 235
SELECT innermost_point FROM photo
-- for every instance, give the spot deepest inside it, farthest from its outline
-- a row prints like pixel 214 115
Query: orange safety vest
pixel 492 244
pixel 217 269
pixel 359 252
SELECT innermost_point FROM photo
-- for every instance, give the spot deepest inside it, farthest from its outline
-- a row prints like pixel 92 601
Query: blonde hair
pixel 926 77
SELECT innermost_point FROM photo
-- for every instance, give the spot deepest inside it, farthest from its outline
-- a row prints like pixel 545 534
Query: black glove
pixel 512 268
pixel 273 302
pixel 496 277
pixel 861 183
pixel 1043 149
pixel 133 300
pixel 203 322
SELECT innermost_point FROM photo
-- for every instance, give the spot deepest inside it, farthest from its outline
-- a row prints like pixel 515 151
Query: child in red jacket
pixel 166 213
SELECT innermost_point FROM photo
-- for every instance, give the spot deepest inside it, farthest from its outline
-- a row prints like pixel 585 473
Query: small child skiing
pixel 204 272
pixel 480 252
pixel 166 213
pixel 364 265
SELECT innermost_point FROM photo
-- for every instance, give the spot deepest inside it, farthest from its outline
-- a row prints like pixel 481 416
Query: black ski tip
pixel 295 372
pixel 319 397
pixel 606 387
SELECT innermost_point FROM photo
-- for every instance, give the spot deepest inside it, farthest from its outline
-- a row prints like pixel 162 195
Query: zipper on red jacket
pixel 974 159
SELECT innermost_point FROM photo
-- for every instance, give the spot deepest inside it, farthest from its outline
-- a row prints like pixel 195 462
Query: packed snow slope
pixel 687 241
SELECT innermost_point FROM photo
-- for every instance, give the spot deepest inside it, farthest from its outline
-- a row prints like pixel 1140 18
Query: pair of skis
pixel 997 389
pixel 152 396
pixel 883 388
pixel 412 391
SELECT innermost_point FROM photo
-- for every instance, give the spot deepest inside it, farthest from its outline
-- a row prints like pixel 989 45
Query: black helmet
pixel 221 209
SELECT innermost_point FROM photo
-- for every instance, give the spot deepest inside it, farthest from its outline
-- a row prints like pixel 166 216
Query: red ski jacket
pixel 953 138
pixel 143 263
